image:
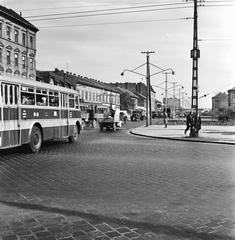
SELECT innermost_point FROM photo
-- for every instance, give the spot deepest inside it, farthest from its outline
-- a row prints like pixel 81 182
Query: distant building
pixel 17 45
pixel 133 96
pixel 139 89
pixel 219 102
pixel 231 101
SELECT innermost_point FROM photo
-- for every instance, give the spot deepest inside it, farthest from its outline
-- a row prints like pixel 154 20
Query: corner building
pixel 17 45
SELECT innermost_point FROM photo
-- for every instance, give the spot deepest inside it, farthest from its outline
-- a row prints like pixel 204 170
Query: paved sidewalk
pixel 212 134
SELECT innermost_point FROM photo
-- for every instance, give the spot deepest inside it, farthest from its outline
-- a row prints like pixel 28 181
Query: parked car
pixel 135 117
pixel 223 118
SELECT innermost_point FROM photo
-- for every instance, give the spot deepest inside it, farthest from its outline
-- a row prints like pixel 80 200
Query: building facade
pixel 219 101
pixel 140 90
pixel 93 94
pixel 231 101
pixel 17 45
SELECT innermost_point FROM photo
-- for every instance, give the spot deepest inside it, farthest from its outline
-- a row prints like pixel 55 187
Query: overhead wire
pixel 110 9
pixel 107 12
pixel 205 95
pixel 112 23
pixel 104 14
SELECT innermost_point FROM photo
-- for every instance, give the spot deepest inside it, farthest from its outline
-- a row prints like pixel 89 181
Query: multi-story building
pixel 17 45
pixel 94 94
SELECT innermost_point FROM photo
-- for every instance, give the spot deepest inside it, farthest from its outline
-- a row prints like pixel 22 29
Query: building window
pixel 31 63
pixel 233 96
pixel 8 33
pixel 23 39
pixel 16 36
pixel 31 41
pixel 8 57
pixel 16 59
pixel 23 61
pixel 89 96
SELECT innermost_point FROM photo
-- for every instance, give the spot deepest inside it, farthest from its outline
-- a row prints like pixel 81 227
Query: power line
pixel 55 8
pixel 103 14
pixel 107 10
pixel 205 95
pixel 225 39
pixel 113 23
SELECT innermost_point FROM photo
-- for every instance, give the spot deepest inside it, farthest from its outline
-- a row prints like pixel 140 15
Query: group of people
pixel 193 122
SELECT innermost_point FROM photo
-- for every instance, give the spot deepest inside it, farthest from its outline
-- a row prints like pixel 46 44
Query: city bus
pixel 32 112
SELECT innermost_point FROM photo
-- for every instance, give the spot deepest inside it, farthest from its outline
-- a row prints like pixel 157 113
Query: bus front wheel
pixel 74 137
pixel 35 142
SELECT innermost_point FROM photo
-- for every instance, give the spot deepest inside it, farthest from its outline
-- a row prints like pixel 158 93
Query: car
pixel 135 117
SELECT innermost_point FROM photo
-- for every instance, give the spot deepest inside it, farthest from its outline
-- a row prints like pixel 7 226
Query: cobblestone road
pixel 112 185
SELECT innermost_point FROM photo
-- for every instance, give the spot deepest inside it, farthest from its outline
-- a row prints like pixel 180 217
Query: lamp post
pixel 167 90
pixel 174 86
pixel 148 92
pixel 172 72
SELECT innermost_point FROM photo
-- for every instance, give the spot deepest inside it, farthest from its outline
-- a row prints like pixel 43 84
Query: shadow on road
pixel 143 227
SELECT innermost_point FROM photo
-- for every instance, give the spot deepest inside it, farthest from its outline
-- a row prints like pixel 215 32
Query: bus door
pixel 10 122
pixel 64 115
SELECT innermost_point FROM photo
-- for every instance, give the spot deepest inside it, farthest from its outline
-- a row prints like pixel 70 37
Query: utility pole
pixel 148 90
pixel 166 93
pixel 195 55
pixel 173 115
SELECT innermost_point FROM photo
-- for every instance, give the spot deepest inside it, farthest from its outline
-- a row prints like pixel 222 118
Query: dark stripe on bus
pixel 27 113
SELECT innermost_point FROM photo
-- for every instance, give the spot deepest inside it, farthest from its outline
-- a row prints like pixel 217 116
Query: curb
pixel 183 139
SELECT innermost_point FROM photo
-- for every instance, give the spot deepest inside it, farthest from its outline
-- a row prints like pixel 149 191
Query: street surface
pixel 114 185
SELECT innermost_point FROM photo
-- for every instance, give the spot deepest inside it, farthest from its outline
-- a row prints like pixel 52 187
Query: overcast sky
pixel 102 46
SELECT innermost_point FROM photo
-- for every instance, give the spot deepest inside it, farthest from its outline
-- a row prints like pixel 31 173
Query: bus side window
pixel 27 98
pixel 77 102
pixel 6 94
pixel 16 96
pixel 71 101
pixel 11 95
pixel 53 99
pixel 64 100
pixel 41 100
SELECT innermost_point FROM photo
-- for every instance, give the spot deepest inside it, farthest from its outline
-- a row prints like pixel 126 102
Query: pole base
pixel 194 134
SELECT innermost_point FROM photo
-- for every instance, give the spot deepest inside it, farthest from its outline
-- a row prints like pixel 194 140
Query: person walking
pixel 165 118
pixel 188 122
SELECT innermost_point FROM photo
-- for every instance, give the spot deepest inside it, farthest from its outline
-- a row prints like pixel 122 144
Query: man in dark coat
pixel 188 122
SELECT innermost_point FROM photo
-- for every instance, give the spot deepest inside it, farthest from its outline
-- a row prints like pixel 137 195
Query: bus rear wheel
pixel 35 141
pixel 74 137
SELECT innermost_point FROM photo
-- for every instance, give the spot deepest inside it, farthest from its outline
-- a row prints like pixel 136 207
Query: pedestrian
pixel 165 118
pixel 188 122
pixel 125 119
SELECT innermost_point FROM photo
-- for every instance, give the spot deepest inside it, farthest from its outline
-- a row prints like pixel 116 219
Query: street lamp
pixel 172 72
pixel 173 95
pixel 148 92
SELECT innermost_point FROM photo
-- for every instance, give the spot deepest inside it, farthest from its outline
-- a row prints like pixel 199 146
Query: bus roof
pixel 33 83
